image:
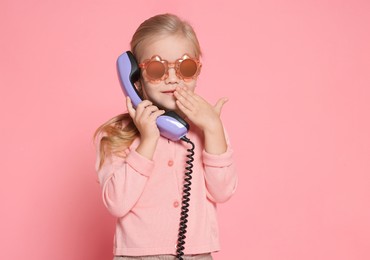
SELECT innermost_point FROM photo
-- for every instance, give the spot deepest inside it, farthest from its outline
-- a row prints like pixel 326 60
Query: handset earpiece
pixel 170 124
pixel 128 73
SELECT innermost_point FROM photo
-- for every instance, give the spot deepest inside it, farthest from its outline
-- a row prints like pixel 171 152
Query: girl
pixel 142 173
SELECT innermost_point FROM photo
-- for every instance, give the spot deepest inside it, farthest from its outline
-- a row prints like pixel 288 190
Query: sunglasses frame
pixel 167 65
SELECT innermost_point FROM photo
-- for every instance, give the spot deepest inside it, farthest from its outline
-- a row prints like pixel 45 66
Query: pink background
pixel 296 74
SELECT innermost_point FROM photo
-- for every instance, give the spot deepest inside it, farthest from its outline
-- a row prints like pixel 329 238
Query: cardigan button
pixel 170 163
pixel 176 204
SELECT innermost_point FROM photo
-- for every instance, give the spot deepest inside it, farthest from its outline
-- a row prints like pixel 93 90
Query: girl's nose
pixel 172 77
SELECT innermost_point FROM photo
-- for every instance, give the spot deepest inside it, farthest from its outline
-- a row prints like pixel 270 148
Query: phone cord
pixel 185 200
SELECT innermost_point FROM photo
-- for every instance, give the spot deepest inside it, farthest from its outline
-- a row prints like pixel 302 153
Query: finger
pixel 184 100
pixel 142 105
pixel 220 103
pixel 183 109
pixel 149 110
pixel 187 95
pixel 130 108
pixel 192 94
pixel 156 114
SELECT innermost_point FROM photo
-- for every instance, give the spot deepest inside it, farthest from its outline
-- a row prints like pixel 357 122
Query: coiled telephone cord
pixel 185 200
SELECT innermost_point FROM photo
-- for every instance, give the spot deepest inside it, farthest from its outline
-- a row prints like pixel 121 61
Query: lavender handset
pixel 170 125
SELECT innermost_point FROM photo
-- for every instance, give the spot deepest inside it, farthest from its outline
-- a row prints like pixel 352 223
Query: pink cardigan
pixel 145 196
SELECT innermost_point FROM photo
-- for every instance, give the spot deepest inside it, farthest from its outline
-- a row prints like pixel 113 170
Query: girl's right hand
pixel 145 117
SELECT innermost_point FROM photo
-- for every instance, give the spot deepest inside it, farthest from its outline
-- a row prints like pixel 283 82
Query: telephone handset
pixel 170 124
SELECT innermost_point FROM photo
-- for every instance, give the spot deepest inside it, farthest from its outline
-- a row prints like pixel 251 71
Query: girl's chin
pixel 171 107
pixel 169 103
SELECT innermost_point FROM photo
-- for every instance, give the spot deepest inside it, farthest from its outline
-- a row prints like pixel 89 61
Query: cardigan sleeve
pixel 220 175
pixel 122 179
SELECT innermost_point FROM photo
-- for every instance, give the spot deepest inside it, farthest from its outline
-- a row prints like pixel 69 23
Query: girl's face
pixel 169 48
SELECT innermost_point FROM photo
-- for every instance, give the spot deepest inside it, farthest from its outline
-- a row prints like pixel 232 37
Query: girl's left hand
pixel 198 110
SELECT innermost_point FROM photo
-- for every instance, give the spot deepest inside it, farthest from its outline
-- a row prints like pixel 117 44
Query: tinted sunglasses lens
pixel 155 69
pixel 188 68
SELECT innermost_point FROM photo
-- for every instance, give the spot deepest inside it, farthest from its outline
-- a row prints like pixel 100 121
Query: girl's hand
pixel 198 110
pixel 144 118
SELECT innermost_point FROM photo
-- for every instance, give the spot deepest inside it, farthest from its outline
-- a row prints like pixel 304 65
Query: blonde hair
pixel 119 132
pixel 160 26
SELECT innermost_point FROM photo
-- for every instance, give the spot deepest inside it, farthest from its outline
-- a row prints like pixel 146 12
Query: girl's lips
pixel 170 92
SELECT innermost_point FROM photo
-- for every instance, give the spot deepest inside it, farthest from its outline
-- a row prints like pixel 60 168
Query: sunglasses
pixel 156 68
